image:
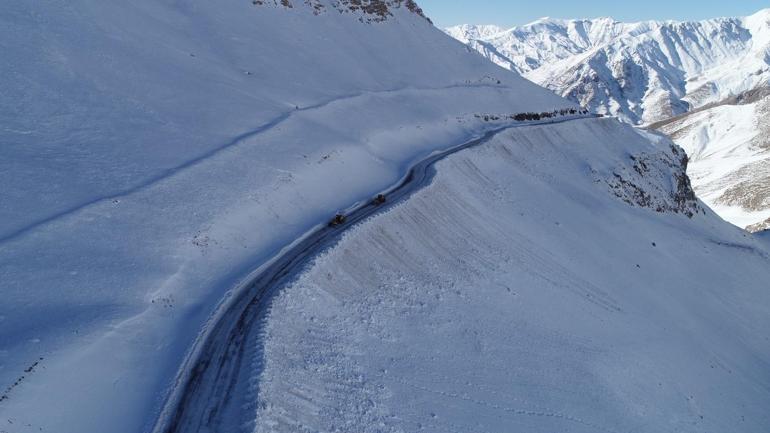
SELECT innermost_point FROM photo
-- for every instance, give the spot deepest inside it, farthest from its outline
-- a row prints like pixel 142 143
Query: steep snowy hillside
pixel 155 153
pixel 729 153
pixel 703 80
pixel 468 32
pixel 511 296
pixel 641 72
pixel 160 157
pixel 524 49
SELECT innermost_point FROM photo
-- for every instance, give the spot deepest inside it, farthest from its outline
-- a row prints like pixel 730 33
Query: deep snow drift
pixel 519 293
pixel 154 153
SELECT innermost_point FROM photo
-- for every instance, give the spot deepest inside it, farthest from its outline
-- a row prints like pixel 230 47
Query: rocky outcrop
pixel 369 10
pixel 729 147
pixel 762 228
pixel 657 181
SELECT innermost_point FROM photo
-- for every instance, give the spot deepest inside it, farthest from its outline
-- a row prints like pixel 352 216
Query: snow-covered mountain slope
pixel 470 32
pixel 642 72
pixel 519 293
pixel 762 227
pixel 155 153
pixel 729 152
pixel 656 73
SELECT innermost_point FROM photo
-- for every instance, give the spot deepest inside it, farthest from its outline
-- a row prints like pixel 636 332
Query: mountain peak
pixel 546 20
pixel 762 13
pixel 565 21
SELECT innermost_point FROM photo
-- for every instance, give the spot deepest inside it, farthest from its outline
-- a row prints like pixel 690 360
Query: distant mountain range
pixel 703 82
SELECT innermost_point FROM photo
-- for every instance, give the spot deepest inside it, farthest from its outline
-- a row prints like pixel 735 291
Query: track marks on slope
pixel 27 372
pixel 233 142
pixel 544 413
pixel 221 346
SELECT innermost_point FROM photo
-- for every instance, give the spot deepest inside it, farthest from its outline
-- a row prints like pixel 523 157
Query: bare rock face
pixel 763 228
pixel 657 181
pixel 369 10
pixel 729 146
pixel 751 188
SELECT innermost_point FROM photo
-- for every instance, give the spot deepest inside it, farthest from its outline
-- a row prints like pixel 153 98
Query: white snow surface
pixel 516 293
pixel 468 32
pixel 154 153
pixel 729 153
pixel 641 72
pixel 650 71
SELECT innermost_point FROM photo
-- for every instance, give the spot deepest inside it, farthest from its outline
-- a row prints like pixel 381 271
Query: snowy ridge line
pixel 167 173
pixel 200 398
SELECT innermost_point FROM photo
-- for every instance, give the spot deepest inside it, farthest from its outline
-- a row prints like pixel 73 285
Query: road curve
pixel 202 399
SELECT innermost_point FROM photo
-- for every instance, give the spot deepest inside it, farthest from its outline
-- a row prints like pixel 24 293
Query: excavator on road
pixel 338 220
pixel 379 200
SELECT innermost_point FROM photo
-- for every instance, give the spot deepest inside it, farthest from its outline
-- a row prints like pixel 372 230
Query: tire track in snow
pixel 215 371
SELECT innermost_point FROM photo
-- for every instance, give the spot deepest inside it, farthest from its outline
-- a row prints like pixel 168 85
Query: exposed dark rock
pixel 763 227
pixel 748 97
pixel 658 181
pixel 750 187
pixel 370 10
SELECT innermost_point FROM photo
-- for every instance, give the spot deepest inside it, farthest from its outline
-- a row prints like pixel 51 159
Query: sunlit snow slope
pixel 729 148
pixel 527 290
pixel 563 278
pixel 155 152
pixel 705 83
pixel 642 72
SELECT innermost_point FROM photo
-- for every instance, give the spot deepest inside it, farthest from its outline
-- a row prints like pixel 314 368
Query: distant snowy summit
pixel 370 10
pixel 642 72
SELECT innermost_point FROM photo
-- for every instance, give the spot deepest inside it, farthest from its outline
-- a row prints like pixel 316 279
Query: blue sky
pixel 516 12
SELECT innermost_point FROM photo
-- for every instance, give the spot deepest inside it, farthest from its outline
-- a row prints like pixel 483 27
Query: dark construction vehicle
pixel 380 199
pixel 338 219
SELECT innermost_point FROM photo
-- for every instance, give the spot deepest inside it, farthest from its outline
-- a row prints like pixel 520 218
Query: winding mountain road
pixel 216 373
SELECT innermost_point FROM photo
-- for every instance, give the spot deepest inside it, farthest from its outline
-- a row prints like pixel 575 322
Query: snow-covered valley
pixel 155 155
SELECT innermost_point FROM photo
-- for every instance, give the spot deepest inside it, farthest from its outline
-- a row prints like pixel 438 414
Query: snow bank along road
pixel 202 399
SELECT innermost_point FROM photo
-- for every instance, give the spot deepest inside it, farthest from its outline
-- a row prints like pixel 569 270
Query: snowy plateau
pixel 160 160
pixel 704 83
